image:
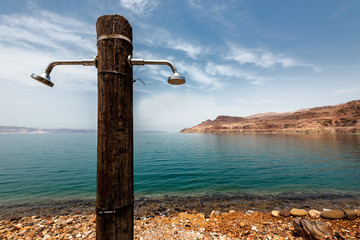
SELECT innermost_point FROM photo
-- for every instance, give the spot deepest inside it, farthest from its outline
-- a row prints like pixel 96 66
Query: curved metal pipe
pixel 84 62
pixel 45 77
pixel 175 79
pixel 141 61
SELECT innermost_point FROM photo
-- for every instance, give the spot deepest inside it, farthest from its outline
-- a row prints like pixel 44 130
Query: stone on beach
pixel 314 213
pixel 275 213
pixel 298 212
pixel 350 214
pixel 285 213
pixel 333 214
pixel 215 213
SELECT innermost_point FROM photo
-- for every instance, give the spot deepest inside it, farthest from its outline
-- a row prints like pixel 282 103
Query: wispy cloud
pixel 259 57
pixel 215 6
pixel 340 11
pixel 198 74
pixel 29 42
pixel 48 30
pixel 264 58
pixel 227 71
pixel 160 37
pixel 140 7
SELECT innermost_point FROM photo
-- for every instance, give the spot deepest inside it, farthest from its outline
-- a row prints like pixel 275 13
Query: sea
pixel 36 168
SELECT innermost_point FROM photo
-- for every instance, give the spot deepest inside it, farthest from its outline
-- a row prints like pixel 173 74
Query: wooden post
pixel 115 194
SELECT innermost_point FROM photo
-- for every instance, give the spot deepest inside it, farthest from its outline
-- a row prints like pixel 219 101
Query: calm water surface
pixel 42 167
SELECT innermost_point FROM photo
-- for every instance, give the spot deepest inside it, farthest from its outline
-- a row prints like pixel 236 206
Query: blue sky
pixel 239 58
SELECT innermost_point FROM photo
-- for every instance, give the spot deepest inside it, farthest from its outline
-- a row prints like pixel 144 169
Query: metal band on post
pixel 113 72
pixel 114 36
pixel 103 211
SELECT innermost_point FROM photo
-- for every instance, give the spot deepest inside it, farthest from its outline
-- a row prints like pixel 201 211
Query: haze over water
pixel 44 167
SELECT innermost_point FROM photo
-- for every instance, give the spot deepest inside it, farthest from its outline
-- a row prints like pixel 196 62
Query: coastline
pixel 309 131
pixel 168 205
pixel 216 216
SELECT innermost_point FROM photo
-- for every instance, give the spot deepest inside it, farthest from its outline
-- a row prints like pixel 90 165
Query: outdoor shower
pixel 175 79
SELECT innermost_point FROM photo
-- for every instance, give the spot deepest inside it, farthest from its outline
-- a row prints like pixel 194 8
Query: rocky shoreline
pixel 217 216
pixel 171 204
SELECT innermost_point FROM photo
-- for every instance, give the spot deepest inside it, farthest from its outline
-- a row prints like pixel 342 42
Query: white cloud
pixel 140 7
pixel 195 3
pixel 226 71
pixel 259 57
pixel 214 7
pixel 196 73
pixel 46 29
pixel 264 58
pixel 30 42
pixel 191 49
pixel 160 37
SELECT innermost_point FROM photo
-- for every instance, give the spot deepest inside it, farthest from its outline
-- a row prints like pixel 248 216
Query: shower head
pixel 43 78
pixel 176 79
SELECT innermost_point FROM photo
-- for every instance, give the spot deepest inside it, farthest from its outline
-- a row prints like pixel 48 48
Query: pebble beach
pixel 189 217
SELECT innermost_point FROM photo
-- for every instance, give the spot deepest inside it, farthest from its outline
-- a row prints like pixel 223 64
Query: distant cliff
pixel 342 118
pixel 25 130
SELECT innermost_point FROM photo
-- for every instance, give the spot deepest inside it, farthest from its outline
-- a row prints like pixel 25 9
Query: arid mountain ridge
pixel 342 118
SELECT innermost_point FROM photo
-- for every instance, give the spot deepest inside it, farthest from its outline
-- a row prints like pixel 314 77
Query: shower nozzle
pixel 43 78
pixel 175 79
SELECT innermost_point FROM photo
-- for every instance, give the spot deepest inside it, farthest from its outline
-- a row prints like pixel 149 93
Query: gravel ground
pixel 234 225
pixel 180 217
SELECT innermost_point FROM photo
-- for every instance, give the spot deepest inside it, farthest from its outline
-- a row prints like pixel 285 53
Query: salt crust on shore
pixel 234 225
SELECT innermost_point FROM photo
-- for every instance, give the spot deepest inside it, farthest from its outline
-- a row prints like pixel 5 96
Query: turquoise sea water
pixel 43 167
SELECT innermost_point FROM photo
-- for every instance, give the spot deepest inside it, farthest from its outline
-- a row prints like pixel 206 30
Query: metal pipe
pixel 175 79
pixel 45 77
pixel 141 61
pixel 84 62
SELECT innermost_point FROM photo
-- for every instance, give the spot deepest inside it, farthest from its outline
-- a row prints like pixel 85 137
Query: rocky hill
pixel 342 118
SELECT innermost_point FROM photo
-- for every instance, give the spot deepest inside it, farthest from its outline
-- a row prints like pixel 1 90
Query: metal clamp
pixel 118 210
pixel 114 72
pixel 114 36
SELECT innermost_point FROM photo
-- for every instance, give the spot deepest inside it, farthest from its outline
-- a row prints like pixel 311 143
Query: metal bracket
pixel 114 72
pixel 118 210
pixel 114 36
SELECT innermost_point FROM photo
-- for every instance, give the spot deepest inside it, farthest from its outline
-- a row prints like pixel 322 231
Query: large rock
pixel 312 230
pixel 298 212
pixel 350 214
pixel 333 214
